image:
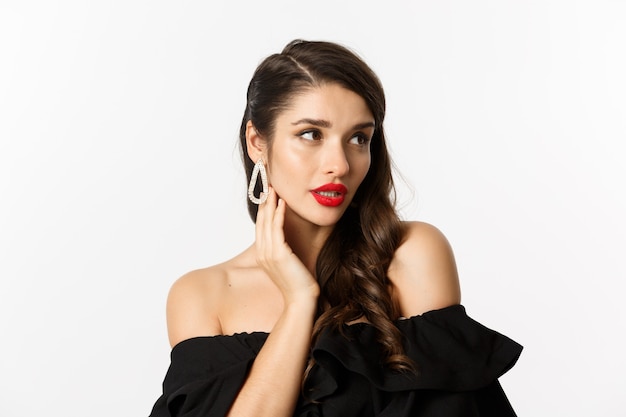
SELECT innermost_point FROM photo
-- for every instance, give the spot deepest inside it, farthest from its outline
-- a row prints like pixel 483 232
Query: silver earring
pixel 259 169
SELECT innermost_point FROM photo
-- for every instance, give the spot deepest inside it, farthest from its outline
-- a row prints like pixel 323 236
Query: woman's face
pixel 320 153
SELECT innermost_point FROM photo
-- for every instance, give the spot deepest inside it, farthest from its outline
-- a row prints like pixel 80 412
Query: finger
pixel 269 213
pixel 272 202
pixel 259 227
pixel 278 231
pixel 263 235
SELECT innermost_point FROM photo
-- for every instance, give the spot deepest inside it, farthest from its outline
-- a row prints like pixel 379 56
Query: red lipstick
pixel 330 195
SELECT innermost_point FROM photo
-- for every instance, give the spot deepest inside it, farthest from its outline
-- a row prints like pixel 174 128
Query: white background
pixel 119 172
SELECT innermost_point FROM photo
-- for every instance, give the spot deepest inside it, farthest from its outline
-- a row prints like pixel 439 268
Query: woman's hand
pixel 273 383
pixel 275 256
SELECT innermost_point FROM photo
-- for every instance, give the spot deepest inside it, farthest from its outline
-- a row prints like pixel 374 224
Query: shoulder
pixel 423 240
pixel 423 271
pixel 193 303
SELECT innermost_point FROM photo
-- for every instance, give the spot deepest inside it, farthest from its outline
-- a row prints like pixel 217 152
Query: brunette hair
pixel 352 265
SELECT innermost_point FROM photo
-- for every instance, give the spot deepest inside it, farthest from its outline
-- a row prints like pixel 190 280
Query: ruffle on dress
pixel 458 362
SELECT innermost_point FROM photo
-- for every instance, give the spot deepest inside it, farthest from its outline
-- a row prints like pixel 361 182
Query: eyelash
pixel 314 132
pixel 363 139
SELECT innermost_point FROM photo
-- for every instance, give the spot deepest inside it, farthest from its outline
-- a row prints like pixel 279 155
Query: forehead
pixel 330 102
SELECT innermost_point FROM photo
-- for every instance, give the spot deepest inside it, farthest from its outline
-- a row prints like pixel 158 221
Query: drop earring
pixel 259 169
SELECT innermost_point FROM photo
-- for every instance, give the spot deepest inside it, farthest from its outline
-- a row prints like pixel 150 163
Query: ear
pixel 255 144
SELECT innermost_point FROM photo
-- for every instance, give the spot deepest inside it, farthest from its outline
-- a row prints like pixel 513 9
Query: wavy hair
pixel 352 265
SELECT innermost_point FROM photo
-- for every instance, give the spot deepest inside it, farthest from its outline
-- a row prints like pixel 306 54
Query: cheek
pixel 288 158
pixel 283 168
pixel 362 166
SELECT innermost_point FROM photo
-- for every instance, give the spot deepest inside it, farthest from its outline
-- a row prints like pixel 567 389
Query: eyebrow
pixel 327 124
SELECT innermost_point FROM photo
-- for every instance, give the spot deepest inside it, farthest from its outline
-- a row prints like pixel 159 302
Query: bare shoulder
pixel 193 304
pixel 423 271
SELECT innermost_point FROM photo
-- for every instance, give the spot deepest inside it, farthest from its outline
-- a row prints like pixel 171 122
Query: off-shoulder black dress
pixel 458 363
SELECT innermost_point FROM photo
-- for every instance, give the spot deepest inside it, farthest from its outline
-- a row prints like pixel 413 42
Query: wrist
pixel 303 302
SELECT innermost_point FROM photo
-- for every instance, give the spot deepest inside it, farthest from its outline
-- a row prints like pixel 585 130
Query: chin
pixel 322 219
pixel 328 221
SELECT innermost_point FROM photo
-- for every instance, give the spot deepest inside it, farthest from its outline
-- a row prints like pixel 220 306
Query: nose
pixel 334 160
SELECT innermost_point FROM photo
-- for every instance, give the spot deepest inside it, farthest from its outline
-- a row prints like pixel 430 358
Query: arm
pixel 423 271
pixel 273 382
pixel 273 385
pixel 275 378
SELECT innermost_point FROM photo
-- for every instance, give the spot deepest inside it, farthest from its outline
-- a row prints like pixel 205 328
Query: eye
pixel 360 139
pixel 311 135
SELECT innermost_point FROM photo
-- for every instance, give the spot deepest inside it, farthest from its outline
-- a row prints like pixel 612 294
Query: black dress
pixel 458 363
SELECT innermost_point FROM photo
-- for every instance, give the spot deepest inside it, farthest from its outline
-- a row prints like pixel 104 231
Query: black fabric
pixel 458 363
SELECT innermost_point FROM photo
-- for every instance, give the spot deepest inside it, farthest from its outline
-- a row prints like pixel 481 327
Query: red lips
pixel 330 195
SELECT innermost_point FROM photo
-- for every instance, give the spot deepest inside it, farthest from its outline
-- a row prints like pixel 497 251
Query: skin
pixel 323 137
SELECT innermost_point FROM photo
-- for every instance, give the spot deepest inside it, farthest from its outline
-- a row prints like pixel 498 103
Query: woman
pixel 311 320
